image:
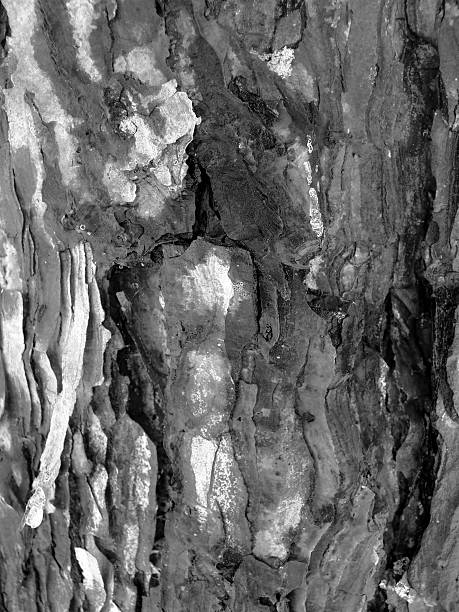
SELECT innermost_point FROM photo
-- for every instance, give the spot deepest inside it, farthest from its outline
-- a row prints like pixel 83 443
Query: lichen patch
pixel 202 459
pixel 83 15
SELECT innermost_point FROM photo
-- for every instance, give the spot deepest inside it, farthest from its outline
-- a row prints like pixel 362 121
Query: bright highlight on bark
pixel 79 298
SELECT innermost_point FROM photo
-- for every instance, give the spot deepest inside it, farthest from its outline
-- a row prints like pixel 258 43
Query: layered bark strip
pixel 228 305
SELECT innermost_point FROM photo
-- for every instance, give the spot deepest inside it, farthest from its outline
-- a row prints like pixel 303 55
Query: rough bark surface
pixel 228 305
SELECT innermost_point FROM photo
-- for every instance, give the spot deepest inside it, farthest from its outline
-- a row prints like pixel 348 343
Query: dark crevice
pixel 404 535
pixel 159 6
pixel 332 309
pixel 135 363
pixel 387 349
pixel 445 307
pixel 77 515
pixel 230 561
pixel 402 354
pixel 285 7
pixel 268 332
pixel 5 32
pixel 203 197
pixel 3 605
pixel 379 602
pixel 208 222
pixel 417 331
pixel 453 199
pixel 266 601
pixel 238 86
pixel 141 585
pixel 413 514
pixel 442 98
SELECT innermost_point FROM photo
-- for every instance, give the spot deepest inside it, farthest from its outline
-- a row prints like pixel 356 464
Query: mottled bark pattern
pixel 228 305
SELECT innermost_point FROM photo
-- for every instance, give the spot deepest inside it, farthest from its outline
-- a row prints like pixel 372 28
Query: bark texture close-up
pixel 229 288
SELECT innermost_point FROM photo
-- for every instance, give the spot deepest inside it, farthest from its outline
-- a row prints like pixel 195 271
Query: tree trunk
pixel 228 290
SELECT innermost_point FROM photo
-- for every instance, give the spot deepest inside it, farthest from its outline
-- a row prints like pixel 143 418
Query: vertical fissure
pixel 411 334
pixel 134 363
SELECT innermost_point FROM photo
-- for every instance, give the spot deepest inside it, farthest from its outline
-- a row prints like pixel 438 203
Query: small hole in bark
pixel 265 601
pixel 155 556
pixel 268 335
pixel 154 581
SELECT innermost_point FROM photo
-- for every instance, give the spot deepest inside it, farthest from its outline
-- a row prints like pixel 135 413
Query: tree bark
pixel 228 305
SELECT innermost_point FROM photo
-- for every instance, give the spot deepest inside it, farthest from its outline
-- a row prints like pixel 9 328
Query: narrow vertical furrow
pixel 140 363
